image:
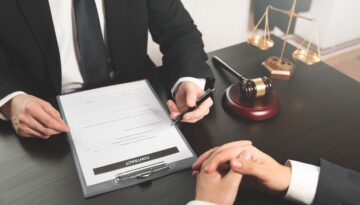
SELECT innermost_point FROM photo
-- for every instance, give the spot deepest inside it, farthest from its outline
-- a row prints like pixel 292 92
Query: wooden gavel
pixel 250 88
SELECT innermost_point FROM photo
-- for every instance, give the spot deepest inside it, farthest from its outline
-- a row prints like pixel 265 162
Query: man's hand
pixel 185 97
pixel 217 188
pixel 33 117
pixel 265 172
pixel 245 159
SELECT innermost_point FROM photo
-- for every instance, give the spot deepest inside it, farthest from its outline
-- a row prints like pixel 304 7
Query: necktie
pixel 93 58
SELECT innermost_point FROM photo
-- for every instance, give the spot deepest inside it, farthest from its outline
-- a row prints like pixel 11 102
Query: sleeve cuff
pixel 201 82
pixel 6 99
pixel 303 183
pixel 195 202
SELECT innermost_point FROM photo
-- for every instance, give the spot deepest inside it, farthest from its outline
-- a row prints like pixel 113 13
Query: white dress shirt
pixel 200 203
pixel 303 183
pixel 64 24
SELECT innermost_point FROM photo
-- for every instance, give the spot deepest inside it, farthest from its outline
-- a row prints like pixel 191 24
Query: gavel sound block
pixel 252 99
pixel 256 109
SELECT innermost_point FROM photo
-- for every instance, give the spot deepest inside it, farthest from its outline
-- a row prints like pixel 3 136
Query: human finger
pixel 191 97
pixel 193 120
pixel 233 178
pixel 246 167
pixel 23 127
pixel 236 144
pixel 212 151
pixel 51 110
pixel 172 106
pixel 202 158
pixel 194 173
pixel 239 143
pixel 48 121
pixel 38 127
pixel 26 131
pixel 174 111
pixel 200 111
pixel 221 157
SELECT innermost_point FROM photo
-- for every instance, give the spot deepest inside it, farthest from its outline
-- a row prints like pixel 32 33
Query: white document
pixel 120 128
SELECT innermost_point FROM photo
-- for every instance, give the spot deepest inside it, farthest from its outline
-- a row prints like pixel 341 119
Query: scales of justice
pixel 280 67
pixel 255 99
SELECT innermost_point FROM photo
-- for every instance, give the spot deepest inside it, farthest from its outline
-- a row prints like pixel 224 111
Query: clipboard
pixel 134 176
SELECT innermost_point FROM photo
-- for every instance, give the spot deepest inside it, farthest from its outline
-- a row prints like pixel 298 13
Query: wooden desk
pixel 319 117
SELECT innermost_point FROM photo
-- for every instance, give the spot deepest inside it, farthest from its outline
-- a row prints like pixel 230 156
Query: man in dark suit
pixel 300 182
pixel 49 47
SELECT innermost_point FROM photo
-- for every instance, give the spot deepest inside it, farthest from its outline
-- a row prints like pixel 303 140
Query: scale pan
pixel 260 42
pixel 308 57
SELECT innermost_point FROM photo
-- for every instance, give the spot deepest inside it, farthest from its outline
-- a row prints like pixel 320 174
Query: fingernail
pixel 236 164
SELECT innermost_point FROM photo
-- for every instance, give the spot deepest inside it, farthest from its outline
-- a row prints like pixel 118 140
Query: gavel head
pixel 255 88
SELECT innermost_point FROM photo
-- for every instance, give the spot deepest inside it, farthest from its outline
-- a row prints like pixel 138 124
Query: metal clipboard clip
pixel 142 173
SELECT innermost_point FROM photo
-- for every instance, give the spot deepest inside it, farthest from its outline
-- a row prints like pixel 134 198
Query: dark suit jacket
pixel 337 185
pixel 29 56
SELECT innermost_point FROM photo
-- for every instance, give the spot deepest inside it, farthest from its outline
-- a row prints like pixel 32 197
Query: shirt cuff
pixel 198 81
pixel 6 99
pixel 196 202
pixel 303 183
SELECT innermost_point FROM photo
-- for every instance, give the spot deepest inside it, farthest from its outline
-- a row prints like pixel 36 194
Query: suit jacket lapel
pixel 38 16
pixel 115 11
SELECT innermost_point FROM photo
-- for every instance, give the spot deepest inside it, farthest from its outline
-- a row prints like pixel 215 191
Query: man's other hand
pixel 186 97
pixel 33 117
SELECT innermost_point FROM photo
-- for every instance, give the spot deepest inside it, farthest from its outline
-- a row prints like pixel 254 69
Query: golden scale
pixel 280 67
pixel 255 99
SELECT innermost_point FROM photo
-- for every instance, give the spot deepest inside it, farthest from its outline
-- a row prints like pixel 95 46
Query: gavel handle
pixel 220 63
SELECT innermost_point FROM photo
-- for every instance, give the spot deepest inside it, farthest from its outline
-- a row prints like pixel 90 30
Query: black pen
pixel 206 95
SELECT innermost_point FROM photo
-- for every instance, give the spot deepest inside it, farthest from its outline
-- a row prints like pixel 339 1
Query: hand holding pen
pixel 199 101
pixel 184 97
